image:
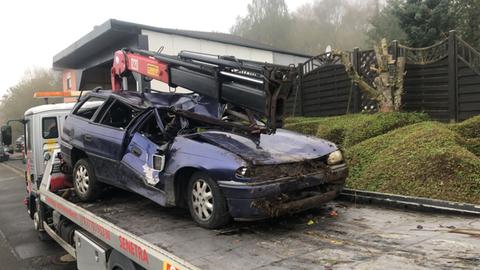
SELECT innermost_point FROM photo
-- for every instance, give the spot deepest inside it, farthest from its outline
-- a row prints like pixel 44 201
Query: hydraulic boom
pixel 260 89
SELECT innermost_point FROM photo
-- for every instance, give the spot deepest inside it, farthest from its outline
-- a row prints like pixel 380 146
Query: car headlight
pixel 243 172
pixel 335 157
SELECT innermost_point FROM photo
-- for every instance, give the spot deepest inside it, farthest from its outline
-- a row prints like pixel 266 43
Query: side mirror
pixel 6 135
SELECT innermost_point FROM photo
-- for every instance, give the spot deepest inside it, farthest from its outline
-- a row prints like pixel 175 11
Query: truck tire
pixel 117 261
pixel 31 206
pixel 42 235
pixel 85 182
pixel 206 202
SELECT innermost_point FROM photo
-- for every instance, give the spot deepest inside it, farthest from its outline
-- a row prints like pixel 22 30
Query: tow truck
pixel 127 231
pixel 254 91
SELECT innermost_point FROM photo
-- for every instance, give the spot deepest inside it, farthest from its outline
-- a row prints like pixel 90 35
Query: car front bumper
pixel 257 200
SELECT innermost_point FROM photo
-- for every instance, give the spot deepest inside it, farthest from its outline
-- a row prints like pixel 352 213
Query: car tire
pixel 206 202
pixel 85 182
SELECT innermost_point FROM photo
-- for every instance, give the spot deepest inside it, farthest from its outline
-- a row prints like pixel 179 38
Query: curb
pixel 408 202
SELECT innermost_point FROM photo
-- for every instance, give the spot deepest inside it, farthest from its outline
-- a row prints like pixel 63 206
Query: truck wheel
pixel 206 202
pixel 31 206
pixel 117 261
pixel 86 185
pixel 42 235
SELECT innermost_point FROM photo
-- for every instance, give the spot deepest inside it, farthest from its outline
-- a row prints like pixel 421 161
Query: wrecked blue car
pixel 186 150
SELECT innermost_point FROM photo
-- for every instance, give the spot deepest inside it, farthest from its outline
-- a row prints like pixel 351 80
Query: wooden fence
pixel 442 80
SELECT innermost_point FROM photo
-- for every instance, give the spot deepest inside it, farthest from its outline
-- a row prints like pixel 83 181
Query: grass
pixel 425 159
pixel 348 130
pixel 405 153
pixel 470 131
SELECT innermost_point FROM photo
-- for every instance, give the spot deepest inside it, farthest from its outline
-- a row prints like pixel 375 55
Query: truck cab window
pixel 119 115
pixel 49 128
pixel 89 107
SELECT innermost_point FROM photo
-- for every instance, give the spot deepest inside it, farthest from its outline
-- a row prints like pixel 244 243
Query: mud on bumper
pixel 256 200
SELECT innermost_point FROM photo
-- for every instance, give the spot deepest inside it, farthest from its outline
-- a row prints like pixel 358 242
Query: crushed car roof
pixel 189 102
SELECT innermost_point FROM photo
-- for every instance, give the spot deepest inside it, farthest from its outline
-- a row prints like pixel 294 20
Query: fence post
pixel 395 49
pixel 357 97
pixel 452 75
pixel 300 91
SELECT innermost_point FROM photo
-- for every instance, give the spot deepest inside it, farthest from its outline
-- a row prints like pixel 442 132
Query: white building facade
pixel 86 63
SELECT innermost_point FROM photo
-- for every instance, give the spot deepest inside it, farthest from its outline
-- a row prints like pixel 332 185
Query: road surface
pixel 20 247
pixel 337 236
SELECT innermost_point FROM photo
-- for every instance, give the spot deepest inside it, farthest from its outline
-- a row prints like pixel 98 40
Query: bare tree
pixel 267 21
pixel 310 28
pixel 387 88
pixel 19 97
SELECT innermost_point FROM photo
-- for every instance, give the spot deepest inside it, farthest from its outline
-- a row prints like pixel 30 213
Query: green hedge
pixel 470 131
pixel 404 153
pixel 348 130
pixel 469 128
pixel 426 159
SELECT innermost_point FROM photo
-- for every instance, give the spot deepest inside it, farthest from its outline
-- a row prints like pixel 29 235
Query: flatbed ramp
pixel 338 236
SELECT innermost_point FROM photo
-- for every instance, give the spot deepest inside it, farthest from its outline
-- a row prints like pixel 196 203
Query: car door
pixel 76 128
pixel 104 140
pixel 144 157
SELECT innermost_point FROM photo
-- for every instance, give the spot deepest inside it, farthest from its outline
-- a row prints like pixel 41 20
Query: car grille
pixel 296 169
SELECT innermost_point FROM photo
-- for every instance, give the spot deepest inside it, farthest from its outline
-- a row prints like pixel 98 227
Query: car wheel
pixel 206 202
pixel 86 185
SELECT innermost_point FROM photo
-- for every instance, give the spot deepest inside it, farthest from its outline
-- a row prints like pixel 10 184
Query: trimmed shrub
pixel 470 131
pixel 426 159
pixel 348 130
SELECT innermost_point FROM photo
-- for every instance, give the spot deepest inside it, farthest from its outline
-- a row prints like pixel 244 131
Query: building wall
pixel 69 82
pixel 287 59
pixel 95 70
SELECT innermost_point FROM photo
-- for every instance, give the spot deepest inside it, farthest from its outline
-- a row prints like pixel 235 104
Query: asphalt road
pixel 351 237
pixel 20 247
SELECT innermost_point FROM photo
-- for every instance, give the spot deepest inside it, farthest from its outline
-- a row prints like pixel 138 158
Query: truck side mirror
pixel 6 135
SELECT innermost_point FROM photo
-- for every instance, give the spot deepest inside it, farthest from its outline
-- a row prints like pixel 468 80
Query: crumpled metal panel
pixel 282 147
pixel 189 102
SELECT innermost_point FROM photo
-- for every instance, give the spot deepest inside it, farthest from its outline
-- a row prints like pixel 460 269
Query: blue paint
pixel 124 157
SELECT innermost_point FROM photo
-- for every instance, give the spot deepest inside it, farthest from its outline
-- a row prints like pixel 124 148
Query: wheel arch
pixel 76 155
pixel 180 183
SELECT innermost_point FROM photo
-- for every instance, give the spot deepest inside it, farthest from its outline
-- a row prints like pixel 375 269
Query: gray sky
pixel 32 32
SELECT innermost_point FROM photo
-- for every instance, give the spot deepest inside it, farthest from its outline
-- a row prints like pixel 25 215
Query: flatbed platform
pixel 339 235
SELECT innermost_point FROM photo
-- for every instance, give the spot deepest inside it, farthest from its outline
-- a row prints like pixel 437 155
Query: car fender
pixel 188 152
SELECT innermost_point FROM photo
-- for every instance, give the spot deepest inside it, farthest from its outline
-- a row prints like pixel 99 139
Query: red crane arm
pixel 125 61
pixel 256 88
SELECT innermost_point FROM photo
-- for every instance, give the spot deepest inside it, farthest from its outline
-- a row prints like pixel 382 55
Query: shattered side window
pixel 151 130
pixel 89 107
pixel 119 115
pixel 102 110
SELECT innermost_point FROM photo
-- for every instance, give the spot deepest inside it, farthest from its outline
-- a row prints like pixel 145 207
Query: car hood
pixel 282 147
